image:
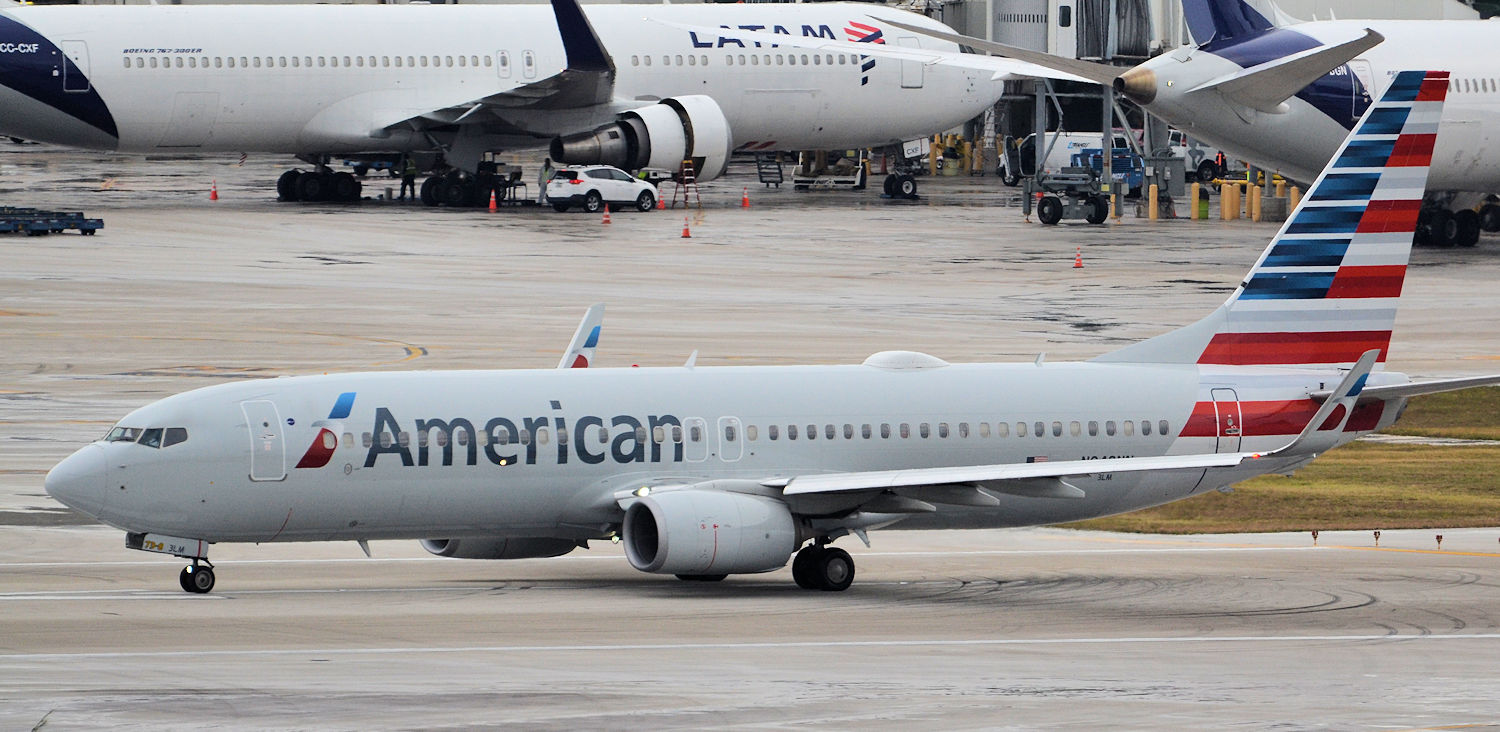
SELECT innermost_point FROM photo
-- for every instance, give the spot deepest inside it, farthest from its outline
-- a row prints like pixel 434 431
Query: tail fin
pixel 1326 289
pixel 1211 21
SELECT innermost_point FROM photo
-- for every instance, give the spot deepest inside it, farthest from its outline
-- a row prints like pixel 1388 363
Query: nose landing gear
pixel 197 578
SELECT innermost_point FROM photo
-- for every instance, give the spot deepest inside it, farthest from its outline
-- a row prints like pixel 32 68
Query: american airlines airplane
pixel 1284 98
pixel 608 86
pixel 707 472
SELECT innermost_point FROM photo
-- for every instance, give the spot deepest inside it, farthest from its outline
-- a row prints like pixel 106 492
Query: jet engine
pixel 700 532
pixel 659 136
pixel 498 548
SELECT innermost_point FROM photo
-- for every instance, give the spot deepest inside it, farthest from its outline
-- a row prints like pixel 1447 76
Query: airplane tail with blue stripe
pixel 1222 21
pixel 1326 289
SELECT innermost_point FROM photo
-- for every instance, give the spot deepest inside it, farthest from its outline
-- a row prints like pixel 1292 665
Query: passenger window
pixel 848 431
pixel 752 433
pixel 771 432
pixel 525 437
pixel 329 441
pixel 1057 429
pixel 386 440
pixel 1145 428
pixel 441 438
pixel 742 59
pixel 448 61
pixel 754 60
pixel 1093 428
pixel 924 430
pixel 562 436
pixel 1075 429
pixel 404 438
pixel 829 431
pixel 885 431
pixel 679 59
pixel 943 429
pixel 1021 429
pixel 695 434
pixel 676 433
pixel 1002 429
pixel 541 435
pixel 791 432
pixel 151 437
pixel 1129 428
pixel 864 431
pixel 635 60
pixel 1109 428
pixel 812 432
pixel 658 435
pixel 905 431
pixel 487 61
pixel 729 433
pixel 692 60
pixel 1161 428
pixel 640 434
pixel 348 440
pixel 963 429
pixel 364 439
pixel 1041 429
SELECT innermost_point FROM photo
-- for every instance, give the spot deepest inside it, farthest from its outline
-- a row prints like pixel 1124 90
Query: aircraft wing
pixel 1398 391
pixel 1053 67
pixel 1000 67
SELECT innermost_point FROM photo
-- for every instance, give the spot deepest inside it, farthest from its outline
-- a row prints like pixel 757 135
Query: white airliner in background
pixel 1284 98
pixel 706 472
pixel 607 86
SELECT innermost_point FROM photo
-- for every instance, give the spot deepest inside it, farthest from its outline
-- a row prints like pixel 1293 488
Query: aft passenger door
pixel 267 448
pixel 1227 412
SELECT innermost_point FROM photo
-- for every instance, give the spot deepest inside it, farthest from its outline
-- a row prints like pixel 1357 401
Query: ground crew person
pixel 409 178
pixel 542 179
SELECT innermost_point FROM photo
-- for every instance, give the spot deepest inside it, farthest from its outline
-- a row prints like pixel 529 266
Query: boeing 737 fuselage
pixel 705 472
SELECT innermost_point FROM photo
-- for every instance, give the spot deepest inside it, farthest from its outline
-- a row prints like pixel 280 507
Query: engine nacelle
pixel 708 532
pixel 660 136
pixel 496 548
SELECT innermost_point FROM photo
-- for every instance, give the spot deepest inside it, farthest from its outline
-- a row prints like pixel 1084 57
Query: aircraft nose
pixel 78 481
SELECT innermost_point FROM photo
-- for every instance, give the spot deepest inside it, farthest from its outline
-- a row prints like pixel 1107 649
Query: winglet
pixel 584 49
pixel 580 351
pixel 1314 439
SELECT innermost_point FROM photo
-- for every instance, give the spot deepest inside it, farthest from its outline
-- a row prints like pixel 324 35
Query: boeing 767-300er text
pixel 706 472
pixel 608 85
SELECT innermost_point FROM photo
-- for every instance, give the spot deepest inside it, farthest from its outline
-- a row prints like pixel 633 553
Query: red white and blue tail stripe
pixel 1326 289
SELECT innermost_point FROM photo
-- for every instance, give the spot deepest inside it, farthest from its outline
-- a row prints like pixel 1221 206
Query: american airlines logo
pixel 861 33
pixel 321 450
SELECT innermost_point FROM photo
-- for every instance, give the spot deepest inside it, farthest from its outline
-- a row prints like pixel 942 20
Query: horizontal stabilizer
pixel 1266 86
pixel 1398 391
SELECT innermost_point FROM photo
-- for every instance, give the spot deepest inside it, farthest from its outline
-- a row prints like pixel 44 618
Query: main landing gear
pixel 318 185
pixel 822 567
pixel 197 578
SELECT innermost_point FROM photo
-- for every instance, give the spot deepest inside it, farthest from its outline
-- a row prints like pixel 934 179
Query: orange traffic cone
pixel 213 191
pixel 745 199
pixel 606 215
pixel 685 233
pixel 661 203
pixel 493 207
pixel 1078 259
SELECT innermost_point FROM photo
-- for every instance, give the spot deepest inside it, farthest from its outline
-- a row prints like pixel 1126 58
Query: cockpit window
pixel 151 437
pixel 123 434
pixel 173 436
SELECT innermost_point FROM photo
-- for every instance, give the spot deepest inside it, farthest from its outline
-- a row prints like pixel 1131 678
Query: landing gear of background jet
pixel 900 186
pixel 321 185
pixel 197 578
pixel 823 567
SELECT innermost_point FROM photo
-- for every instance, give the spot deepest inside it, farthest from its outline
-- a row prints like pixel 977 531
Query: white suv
pixel 592 187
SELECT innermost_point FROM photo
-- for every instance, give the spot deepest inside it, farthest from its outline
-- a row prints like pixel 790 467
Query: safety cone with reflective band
pixel 1078 258
pixel 685 233
pixel 745 199
pixel 661 203
pixel 606 215
pixel 213 191
pixel 493 206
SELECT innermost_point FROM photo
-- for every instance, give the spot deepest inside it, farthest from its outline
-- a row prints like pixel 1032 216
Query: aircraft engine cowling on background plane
pixel 701 532
pixel 658 136
pixel 499 548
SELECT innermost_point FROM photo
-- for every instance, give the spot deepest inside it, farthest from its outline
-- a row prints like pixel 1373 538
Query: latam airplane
pixel 707 472
pixel 1284 98
pixel 612 85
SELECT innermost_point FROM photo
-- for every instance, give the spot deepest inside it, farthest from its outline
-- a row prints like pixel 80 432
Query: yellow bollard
pixel 1226 199
pixel 1253 209
pixel 1296 198
pixel 1151 200
pixel 1281 189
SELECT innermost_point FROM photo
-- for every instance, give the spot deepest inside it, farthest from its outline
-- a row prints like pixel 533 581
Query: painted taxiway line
pixel 751 646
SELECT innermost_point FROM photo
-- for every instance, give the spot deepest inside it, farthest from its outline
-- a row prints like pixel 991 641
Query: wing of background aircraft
pixel 1001 67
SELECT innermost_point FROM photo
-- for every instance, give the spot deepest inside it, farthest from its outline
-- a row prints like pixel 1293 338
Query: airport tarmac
pixel 1014 629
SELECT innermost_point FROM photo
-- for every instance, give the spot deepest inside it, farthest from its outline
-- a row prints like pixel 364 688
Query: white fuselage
pixel 326 78
pixel 478 453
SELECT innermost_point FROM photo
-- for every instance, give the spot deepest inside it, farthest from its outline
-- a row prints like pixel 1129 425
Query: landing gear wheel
pixel 1099 210
pixel 802 572
pixel 429 191
pixel 1207 171
pixel 286 185
pixel 645 202
pixel 889 186
pixel 196 578
pixel 346 188
pixel 833 569
pixel 312 187
pixel 1009 179
pixel 1467 222
pixel 593 202
pixel 1443 230
pixel 1049 210
pixel 1489 218
pixel 456 193
pixel 702 577
pixel 906 186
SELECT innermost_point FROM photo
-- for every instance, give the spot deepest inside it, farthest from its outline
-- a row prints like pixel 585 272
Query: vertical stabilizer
pixel 1325 290
pixel 1220 21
